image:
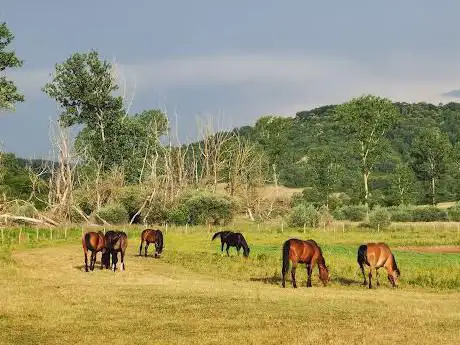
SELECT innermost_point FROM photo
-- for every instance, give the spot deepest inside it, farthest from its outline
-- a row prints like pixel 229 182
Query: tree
pixel 403 185
pixel 430 153
pixel 324 168
pixel 367 120
pixel 84 87
pixel 9 94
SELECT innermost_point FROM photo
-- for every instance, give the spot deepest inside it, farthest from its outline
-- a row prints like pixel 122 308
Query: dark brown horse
pixel 152 236
pixel 304 252
pixel 377 255
pixel 95 242
pixel 232 239
pixel 116 241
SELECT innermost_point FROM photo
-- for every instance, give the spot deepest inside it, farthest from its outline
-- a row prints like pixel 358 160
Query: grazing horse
pixel 305 252
pixel 95 242
pixel 376 255
pixel 152 236
pixel 116 241
pixel 232 239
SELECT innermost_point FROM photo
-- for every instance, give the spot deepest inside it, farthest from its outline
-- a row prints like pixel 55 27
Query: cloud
pixel 452 93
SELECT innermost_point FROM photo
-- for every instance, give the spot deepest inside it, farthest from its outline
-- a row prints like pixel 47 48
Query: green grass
pixel 192 295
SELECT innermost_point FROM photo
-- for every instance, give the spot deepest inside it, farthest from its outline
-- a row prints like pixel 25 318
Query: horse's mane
pixel 160 239
pixel 394 265
pixel 321 257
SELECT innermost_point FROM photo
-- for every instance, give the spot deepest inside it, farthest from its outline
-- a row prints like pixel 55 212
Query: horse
pixel 116 241
pixel 95 242
pixel 306 252
pixel 377 255
pixel 152 236
pixel 232 239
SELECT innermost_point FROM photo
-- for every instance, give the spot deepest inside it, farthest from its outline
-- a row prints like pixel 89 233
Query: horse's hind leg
pixel 122 265
pixel 140 248
pixel 93 260
pixel 377 276
pixel 146 248
pixel 86 262
pixel 309 271
pixel 293 269
pixel 364 274
pixel 370 277
pixel 114 260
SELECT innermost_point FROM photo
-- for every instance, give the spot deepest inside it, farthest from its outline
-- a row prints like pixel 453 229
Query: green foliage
pixel 114 213
pixel 179 215
pixel 379 217
pixel 429 214
pixel 401 214
pixel 304 214
pixel 430 152
pixel 206 208
pixel 355 213
pixel 454 213
pixel 9 94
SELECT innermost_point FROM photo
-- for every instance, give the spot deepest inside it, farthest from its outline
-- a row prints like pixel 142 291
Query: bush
pixel 355 213
pixel 454 213
pixel 178 216
pixel 24 210
pixel 114 213
pixel 429 214
pixel 303 214
pixel 401 214
pixel 206 208
pixel 156 213
pixel 379 216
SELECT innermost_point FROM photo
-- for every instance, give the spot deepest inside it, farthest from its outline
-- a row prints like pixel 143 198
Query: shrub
pixel 324 216
pixel 303 214
pixel 454 213
pixel 355 213
pixel 379 216
pixel 206 208
pixel 24 210
pixel 401 214
pixel 429 214
pixel 155 213
pixel 114 213
pixel 178 215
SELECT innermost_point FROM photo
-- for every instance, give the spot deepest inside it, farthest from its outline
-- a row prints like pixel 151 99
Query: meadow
pixel 193 295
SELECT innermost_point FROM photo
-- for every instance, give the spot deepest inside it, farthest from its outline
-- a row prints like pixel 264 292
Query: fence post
pixel 65 232
pixel 20 233
pixel 186 227
pixel 343 227
pixel 3 239
pixel 282 226
pixel 51 234
pixel 378 227
pixel 166 228
pixel 36 234
pixel 304 226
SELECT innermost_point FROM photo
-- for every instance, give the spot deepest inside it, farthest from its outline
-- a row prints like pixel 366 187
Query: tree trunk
pixel 366 193
pixel 433 191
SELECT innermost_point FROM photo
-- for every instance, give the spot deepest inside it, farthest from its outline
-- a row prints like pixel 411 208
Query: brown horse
pixel 95 242
pixel 116 241
pixel 152 236
pixel 305 252
pixel 376 255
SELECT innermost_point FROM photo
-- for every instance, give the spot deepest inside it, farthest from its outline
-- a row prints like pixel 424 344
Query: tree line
pixel 366 151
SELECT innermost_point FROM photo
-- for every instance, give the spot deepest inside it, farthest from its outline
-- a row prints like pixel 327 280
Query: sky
pixel 233 61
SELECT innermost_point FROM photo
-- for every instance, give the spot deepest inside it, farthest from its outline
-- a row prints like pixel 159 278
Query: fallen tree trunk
pixel 44 221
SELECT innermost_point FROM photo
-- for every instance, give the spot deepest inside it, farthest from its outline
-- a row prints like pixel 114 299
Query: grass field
pixel 192 295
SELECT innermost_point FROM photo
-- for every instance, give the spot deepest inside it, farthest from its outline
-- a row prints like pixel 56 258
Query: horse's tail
pixel 286 248
pixel 362 254
pixel 84 241
pixel 217 234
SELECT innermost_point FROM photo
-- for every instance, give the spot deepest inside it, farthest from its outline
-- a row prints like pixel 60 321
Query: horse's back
pixel 300 250
pixel 377 254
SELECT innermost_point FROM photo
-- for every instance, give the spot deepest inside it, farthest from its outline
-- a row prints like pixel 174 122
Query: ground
pixel 192 295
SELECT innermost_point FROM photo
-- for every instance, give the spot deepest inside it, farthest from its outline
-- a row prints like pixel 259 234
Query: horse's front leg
pixel 114 260
pixel 146 248
pixel 222 248
pixel 93 260
pixel 293 269
pixel 228 246
pixel 238 250
pixel 377 276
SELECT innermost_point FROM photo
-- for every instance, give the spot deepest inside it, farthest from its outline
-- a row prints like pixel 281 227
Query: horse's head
pixel 246 251
pixel 323 274
pixel 393 277
pixel 158 243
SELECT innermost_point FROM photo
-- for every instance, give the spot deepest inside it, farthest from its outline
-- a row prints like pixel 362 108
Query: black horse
pixel 232 239
pixel 115 241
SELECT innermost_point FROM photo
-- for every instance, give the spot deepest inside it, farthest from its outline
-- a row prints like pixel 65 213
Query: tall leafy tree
pixel 430 152
pixel 367 120
pixel 84 88
pixel 9 94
